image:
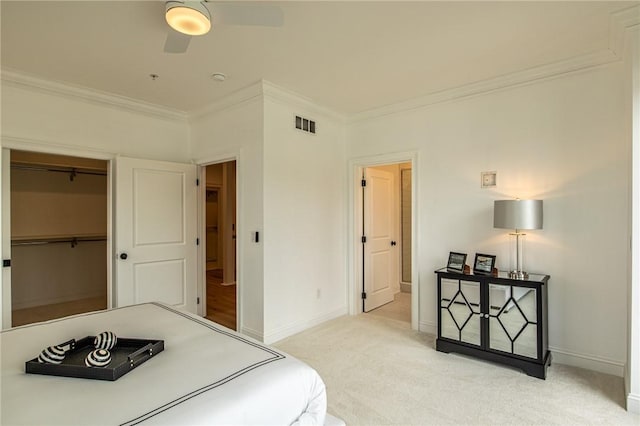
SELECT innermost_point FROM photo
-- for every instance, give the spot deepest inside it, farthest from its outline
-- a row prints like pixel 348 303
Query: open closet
pixel 59 220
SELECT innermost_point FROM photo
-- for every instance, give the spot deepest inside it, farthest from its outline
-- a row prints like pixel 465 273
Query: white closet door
pixel 156 233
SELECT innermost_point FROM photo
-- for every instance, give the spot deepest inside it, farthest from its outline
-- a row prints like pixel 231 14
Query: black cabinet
pixel 495 318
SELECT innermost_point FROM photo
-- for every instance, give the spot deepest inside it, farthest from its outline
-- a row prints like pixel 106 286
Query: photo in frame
pixel 456 261
pixel 484 264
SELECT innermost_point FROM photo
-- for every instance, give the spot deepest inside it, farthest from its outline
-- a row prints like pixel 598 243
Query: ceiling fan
pixel 193 18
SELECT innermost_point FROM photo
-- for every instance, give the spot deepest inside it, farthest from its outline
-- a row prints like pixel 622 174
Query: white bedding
pixel 206 374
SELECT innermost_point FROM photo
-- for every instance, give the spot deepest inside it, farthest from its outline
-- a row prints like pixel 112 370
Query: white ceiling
pixel 347 56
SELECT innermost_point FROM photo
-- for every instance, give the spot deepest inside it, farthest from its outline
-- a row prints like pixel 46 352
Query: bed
pixel 206 374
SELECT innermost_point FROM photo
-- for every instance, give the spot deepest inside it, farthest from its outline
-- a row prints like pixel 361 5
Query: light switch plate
pixel 488 179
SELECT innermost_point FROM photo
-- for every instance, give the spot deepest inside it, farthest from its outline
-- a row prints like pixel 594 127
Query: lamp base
pixel 518 275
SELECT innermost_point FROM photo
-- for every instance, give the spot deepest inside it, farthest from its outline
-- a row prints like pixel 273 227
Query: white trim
pixel 633 403
pixel 5 228
pixel 354 248
pixel 590 362
pixel 251 333
pixel 290 98
pixel 233 100
pixel 52 147
pixel 89 95
pixel 34 145
pixel 429 327
pixel 299 326
pixel 201 276
pixel 632 376
pixel 519 78
pixel 618 22
pixel 201 263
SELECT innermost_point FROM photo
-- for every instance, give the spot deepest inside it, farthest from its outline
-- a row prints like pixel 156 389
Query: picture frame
pixel 456 262
pixel 484 264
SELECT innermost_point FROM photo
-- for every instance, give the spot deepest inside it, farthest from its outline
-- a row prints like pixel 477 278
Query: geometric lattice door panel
pixel 495 317
pixel 460 311
pixel 513 322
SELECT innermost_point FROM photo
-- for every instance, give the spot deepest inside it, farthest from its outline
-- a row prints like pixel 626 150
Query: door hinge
pixel 364 295
pixel 197 241
pixel 363 182
pixel 197 182
pixel 197 301
pixel 364 239
pixel 6 263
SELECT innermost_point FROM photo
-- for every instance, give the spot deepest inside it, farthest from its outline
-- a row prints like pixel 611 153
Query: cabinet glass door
pixel 460 310
pixel 513 321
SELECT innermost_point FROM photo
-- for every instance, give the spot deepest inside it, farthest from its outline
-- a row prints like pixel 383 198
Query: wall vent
pixel 305 124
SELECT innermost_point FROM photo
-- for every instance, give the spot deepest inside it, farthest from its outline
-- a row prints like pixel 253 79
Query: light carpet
pixel 380 372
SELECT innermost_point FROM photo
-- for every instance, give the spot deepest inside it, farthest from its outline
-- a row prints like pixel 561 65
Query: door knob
pixel 393 243
pixel 123 256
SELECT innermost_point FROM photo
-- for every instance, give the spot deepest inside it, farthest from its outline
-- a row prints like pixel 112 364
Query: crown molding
pixel 92 96
pixel 234 99
pixel 53 147
pixel 289 97
pixel 266 90
pixel 619 22
pixel 519 78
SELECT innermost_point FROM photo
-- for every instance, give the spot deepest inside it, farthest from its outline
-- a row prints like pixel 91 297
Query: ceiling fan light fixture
pixel 191 18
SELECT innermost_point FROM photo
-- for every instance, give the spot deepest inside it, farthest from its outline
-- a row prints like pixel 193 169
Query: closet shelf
pixel 49 239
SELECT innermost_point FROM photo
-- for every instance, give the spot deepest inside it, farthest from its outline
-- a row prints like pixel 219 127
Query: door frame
pixel 202 234
pixel 41 147
pixel 354 243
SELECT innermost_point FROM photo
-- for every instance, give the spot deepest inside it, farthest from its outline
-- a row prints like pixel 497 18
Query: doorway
pixel 386 260
pixel 356 224
pixel 221 289
pixel 58 232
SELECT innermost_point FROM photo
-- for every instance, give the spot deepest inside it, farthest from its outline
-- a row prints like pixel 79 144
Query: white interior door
pixel 378 229
pixel 156 217
pixel 5 279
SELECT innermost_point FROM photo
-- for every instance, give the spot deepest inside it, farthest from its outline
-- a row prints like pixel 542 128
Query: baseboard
pixel 428 327
pixel 289 330
pixel 560 356
pixel 16 306
pixel 251 333
pixel 633 403
pixel 589 362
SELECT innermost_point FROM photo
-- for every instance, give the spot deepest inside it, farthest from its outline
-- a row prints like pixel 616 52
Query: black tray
pixel 125 356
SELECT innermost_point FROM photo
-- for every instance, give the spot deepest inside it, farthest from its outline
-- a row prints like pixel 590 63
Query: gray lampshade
pixel 517 214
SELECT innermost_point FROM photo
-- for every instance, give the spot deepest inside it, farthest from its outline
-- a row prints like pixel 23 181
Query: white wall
pixel 33 117
pixel 292 190
pixel 304 217
pixel 561 140
pixel 234 130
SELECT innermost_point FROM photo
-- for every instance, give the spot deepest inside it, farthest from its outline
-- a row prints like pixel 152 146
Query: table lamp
pixel 518 215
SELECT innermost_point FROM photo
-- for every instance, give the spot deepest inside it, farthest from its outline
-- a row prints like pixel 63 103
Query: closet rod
pixel 71 170
pixel 41 241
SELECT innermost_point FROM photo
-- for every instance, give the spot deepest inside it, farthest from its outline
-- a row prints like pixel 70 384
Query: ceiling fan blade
pixel 176 42
pixel 247 13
